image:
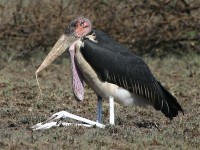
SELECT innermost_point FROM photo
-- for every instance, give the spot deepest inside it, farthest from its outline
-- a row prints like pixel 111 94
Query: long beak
pixel 63 43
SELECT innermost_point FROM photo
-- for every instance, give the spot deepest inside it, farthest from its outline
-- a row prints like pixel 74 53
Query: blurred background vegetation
pixel 151 27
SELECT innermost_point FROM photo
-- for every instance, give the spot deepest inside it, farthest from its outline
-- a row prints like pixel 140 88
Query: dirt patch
pixel 136 128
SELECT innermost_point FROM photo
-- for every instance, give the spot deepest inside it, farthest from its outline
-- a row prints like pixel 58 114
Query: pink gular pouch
pixel 77 78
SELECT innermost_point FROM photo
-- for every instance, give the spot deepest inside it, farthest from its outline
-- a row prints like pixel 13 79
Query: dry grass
pixel 21 108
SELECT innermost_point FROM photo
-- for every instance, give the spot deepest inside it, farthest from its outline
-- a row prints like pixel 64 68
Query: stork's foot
pixel 59 116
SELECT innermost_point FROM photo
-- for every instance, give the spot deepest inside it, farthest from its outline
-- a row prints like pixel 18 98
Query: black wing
pixel 116 64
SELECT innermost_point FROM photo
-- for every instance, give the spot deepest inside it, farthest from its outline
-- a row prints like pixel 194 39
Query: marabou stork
pixel 111 70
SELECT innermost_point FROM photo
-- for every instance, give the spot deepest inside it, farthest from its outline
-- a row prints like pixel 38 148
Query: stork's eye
pixel 82 22
pixel 74 24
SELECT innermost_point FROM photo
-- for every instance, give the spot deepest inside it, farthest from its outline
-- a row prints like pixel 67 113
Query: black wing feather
pixel 116 64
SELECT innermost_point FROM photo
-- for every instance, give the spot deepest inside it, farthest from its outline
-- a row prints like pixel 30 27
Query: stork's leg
pixel 112 115
pixel 99 109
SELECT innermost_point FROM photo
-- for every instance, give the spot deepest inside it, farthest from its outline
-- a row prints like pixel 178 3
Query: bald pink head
pixel 79 27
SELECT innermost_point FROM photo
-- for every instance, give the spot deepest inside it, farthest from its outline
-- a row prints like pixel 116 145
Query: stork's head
pixel 79 27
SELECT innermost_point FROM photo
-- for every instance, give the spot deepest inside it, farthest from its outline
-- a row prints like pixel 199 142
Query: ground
pixel 22 106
